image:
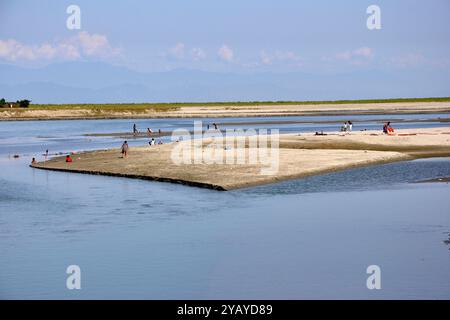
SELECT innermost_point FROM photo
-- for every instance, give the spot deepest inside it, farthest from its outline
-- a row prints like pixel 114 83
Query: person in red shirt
pixel 68 158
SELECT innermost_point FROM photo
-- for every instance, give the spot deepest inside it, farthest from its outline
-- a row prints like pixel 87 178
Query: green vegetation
pixel 142 107
pixel 109 107
pixel 24 103
pixel 19 103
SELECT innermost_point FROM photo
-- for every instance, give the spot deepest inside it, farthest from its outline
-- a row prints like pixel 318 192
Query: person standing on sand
pixel 350 126
pixel 135 131
pixel 124 149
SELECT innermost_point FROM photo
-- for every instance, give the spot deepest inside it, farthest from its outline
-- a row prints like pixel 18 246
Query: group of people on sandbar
pixel 214 125
pixel 68 159
pixel 347 127
pixel 153 142
pixel 149 131
pixel 125 147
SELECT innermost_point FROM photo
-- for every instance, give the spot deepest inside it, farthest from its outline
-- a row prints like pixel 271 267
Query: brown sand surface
pixel 300 155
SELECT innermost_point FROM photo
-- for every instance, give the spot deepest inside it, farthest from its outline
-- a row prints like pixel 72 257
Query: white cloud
pixel 182 52
pixel 95 45
pixel 81 45
pixel 365 52
pixel 265 58
pixel 198 54
pixel 225 53
pixel 177 51
pixel 356 56
pixel 285 57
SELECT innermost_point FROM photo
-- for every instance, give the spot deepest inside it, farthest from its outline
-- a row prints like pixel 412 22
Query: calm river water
pixel 307 238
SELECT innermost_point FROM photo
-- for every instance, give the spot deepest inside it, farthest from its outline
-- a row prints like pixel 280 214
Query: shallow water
pixel 307 238
pixel 29 137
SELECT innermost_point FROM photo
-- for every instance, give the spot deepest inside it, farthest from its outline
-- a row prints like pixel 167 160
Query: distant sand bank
pixel 211 111
pixel 300 155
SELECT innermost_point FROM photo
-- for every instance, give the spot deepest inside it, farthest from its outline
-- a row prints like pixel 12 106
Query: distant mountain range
pixel 93 82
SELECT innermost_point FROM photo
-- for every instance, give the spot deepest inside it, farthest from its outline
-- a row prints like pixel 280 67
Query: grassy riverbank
pixel 225 109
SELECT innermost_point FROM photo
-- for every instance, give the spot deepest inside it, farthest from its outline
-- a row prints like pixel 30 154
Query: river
pixel 132 239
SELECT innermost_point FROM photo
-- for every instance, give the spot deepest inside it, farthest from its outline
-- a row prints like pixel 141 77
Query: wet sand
pixel 300 155
pixel 442 180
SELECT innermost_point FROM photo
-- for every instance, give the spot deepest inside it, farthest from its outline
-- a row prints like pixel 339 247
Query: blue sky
pixel 251 36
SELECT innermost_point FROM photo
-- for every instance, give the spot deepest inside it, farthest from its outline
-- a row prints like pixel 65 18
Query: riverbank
pixel 299 155
pixel 211 110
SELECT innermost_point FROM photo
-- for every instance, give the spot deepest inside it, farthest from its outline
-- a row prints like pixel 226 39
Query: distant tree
pixel 24 103
pixel 2 101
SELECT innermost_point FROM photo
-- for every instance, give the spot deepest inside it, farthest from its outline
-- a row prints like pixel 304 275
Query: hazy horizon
pixel 200 51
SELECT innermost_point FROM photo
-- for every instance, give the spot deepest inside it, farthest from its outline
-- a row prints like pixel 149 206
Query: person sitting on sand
pixel 387 129
pixel 390 130
pixel 344 127
pixel 33 161
pixel 124 149
pixel 68 158
pixel 152 142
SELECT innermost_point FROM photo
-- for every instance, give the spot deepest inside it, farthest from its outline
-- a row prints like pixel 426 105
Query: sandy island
pixel 300 155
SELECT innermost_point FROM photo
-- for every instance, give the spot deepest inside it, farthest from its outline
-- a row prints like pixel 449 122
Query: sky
pixel 321 37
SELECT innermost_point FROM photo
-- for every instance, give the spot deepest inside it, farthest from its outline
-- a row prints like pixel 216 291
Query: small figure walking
pixel 124 149
pixel 135 130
